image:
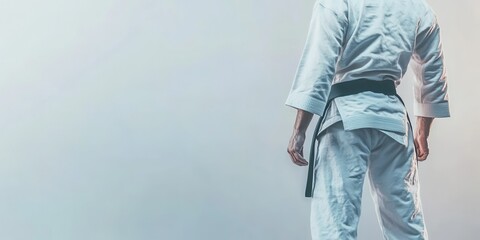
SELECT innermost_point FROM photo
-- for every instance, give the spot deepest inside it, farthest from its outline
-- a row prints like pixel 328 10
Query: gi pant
pixel 341 164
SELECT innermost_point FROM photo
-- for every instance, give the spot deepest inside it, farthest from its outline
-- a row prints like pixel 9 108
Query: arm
pixel 430 88
pixel 422 131
pixel 315 71
pixel 295 146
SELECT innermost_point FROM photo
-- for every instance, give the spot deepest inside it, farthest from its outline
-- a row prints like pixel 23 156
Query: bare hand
pixel 421 147
pixel 295 148
pixel 420 138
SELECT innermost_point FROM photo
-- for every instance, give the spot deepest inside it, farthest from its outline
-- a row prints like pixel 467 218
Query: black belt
pixel 343 89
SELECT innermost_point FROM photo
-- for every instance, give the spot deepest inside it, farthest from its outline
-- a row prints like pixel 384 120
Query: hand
pixel 420 138
pixel 295 148
pixel 421 147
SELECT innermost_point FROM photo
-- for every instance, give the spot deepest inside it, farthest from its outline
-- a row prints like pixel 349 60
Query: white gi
pixel 369 39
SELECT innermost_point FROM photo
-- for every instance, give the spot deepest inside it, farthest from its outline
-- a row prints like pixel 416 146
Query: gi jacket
pixel 376 40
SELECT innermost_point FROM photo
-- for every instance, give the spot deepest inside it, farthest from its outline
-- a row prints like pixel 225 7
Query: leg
pixel 395 189
pixel 339 174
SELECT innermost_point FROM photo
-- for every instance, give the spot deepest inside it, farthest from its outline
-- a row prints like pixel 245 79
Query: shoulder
pixel 338 7
pixel 427 15
pixel 427 21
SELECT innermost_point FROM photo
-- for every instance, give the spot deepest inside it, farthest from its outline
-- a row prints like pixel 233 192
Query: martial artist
pixel 368 132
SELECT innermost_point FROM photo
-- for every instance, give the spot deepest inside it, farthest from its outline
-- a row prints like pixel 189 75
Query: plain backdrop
pixel 165 120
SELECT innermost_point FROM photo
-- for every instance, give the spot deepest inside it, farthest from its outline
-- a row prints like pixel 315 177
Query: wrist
pixel 297 131
pixel 423 126
pixel 302 121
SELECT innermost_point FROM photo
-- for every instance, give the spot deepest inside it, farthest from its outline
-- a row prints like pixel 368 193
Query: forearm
pixel 423 126
pixel 302 121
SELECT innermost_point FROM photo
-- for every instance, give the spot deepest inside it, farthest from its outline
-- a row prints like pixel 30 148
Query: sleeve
pixel 430 85
pixel 316 69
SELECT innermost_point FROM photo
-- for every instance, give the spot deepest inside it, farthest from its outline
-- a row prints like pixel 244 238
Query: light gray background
pixel 166 120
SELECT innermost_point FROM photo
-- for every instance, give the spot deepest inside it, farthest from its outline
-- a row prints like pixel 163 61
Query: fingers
pixel 421 149
pixel 297 157
pixel 299 160
pixel 295 149
pixel 422 156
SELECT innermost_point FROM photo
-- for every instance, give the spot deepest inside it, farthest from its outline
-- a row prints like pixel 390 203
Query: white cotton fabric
pixel 375 40
pixel 367 133
pixel 341 167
